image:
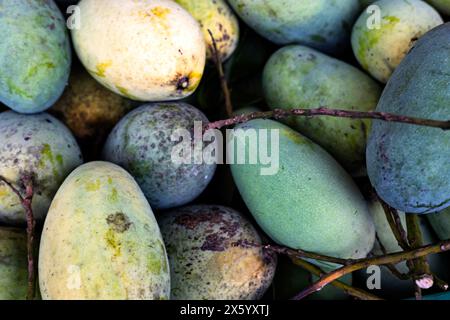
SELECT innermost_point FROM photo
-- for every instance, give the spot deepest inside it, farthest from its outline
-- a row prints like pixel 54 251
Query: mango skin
pixel 408 165
pixel 39 145
pixel 300 77
pixel 87 108
pixel 206 262
pixel 311 203
pixel 13 264
pixel 441 5
pixel 101 240
pixel 319 24
pixel 141 143
pixel 154 50
pixel 35 55
pixel 440 222
pixel 380 51
pixel 217 16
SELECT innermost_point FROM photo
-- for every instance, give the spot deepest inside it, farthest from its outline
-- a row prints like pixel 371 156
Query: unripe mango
pixel 310 203
pixel 300 77
pixel 35 54
pixel 407 164
pixel 321 24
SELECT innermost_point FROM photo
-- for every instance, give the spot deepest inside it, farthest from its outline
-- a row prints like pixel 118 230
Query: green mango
pixel 101 240
pixel 300 77
pixel 35 54
pixel 440 222
pixel 442 5
pixel 306 200
pixel 380 50
pixel 408 165
pixel 321 24
pixel 13 264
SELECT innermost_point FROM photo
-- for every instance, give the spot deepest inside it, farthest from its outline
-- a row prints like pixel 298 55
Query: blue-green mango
pixel 300 77
pixel 304 199
pixel 321 24
pixel 407 164
pixel 35 54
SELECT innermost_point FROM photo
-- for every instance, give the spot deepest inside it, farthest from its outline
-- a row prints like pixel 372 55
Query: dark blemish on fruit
pixel 119 222
pixel 213 242
pixel 182 83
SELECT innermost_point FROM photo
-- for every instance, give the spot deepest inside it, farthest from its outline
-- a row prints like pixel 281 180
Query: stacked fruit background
pixel 93 205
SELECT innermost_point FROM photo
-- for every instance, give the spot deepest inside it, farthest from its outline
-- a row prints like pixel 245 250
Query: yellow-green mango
pixel 380 49
pixel 310 202
pixel 39 146
pixel 101 240
pixel 151 50
pixel 300 77
pixel 216 16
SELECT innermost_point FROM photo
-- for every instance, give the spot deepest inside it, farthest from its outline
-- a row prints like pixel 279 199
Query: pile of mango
pixel 91 92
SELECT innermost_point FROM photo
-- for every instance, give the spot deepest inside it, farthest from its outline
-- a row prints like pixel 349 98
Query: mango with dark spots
pixel 407 164
pixel 101 240
pixel 145 141
pixel 302 198
pixel 154 51
pixel 88 109
pixel 300 77
pixel 380 49
pixel 215 254
pixel 216 16
pixel 321 24
pixel 35 55
pixel 38 146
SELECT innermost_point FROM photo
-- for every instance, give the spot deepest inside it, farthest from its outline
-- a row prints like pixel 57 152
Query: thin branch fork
pixel 323 111
pixel 393 258
pixel 26 202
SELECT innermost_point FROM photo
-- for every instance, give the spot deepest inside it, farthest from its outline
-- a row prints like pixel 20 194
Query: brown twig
pixel 352 291
pixel 26 202
pixel 322 111
pixel 393 258
pixel 421 269
pixel 392 268
pixel 223 81
pixel 296 257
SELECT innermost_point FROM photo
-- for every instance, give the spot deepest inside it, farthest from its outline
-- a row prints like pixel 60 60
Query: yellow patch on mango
pixel 102 67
